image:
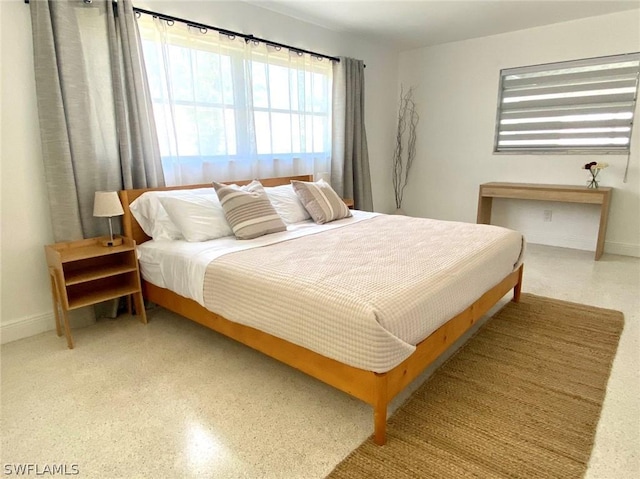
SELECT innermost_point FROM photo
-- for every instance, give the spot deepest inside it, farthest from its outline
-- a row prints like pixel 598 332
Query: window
pixel 229 109
pixel 583 106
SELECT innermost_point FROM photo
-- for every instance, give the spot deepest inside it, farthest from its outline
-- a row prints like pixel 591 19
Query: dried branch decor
pixel 405 151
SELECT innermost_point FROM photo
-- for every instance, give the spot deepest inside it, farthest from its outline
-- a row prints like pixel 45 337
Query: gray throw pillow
pixel 248 210
pixel 321 201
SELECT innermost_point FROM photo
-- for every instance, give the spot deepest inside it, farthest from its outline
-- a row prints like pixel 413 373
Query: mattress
pixel 364 291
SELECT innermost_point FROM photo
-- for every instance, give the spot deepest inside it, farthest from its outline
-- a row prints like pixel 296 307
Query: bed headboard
pixel 132 229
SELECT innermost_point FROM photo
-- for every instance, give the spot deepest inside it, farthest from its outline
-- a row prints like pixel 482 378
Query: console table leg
pixel 602 229
pixel 484 209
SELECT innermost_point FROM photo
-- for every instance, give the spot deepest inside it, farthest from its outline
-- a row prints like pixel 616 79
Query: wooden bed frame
pixel 376 389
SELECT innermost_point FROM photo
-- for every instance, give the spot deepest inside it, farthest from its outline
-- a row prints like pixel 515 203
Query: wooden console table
pixel 561 193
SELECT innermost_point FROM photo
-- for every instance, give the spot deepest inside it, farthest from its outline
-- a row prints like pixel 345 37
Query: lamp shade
pixel 107 204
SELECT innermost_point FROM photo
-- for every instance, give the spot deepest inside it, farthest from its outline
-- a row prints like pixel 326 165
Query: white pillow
pixel 286 202
pixel 198 217
pixel 153 218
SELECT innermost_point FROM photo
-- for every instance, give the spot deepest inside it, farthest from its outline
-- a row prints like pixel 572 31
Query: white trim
pixel 15 329
pixel 25 327
pixel 579 242
pixel 561 240
pixel 624 249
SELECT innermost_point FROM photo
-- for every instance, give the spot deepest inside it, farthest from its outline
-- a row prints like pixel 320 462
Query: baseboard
pixel 624 249
pixel 25 327
pixel 15 329
pixel 562 241
pixel 579 242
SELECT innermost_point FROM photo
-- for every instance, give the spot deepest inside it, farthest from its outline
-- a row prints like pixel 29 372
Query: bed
pixel 364 340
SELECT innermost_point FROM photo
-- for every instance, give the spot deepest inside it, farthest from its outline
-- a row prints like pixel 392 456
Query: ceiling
pixel 404 25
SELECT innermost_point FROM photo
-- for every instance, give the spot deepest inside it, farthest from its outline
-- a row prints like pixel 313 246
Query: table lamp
pixel 106 204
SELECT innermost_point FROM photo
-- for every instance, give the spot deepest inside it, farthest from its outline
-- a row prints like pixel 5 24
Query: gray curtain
pixel 138 139
pixel 95 122
pixel 350 174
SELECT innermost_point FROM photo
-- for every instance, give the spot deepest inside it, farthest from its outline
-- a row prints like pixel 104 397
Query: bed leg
pixel 380 411
pixel 380 424
pixel 518 287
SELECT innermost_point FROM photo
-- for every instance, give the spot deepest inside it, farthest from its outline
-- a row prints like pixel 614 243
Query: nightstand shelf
pixel 87 294
pixel 84 275
pixel 89 249
pixel 85 272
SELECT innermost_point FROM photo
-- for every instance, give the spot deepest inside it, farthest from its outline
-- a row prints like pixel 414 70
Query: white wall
pixel 456 90
pixel 26 224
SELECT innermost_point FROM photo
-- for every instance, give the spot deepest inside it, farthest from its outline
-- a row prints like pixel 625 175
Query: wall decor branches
pixel 405 150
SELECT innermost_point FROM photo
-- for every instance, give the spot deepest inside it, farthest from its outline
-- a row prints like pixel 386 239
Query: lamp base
pixel 106 241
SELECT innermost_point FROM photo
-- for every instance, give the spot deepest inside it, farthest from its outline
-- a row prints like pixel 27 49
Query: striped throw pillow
pixel 248 210
pixel 321 201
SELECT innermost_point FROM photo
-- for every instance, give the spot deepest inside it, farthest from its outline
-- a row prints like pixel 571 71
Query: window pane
pixel 308 133
pixel 211 128
pixel 296 134
pixel 208 79
pixel 263 132
pixel 180 71
pixel 162 115
pixel 186 130
pixel 154 69
pixel 318 134
pixel 281 131
pixel 293 82
pixel 308 92
pixel 230 121
pixel 319 93
pixel 260 97
pixel 279 87
pixel 227 82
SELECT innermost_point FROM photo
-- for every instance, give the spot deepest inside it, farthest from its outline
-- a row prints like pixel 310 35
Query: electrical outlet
pixel 547 216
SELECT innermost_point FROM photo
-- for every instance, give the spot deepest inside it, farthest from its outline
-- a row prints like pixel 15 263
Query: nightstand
pixel 348 202
pixel 84 272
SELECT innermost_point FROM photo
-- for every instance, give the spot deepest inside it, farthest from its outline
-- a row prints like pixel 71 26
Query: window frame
pixel 246 144
pixel 565 149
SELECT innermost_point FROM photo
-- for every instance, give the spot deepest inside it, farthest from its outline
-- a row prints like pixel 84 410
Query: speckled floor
pixel 173 399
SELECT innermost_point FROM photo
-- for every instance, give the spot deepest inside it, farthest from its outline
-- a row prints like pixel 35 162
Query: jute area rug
pixel 521 399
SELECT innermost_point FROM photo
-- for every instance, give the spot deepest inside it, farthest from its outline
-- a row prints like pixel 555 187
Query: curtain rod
pixel 246 37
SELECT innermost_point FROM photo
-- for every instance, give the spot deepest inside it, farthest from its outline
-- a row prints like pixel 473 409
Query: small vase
pixel 593 181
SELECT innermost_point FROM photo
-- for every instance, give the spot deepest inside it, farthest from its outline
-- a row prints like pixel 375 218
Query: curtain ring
pixel 203 30
pixel 278 48
pixel 138 14
pixel 231 37
pixel 170 22
pixel 300 54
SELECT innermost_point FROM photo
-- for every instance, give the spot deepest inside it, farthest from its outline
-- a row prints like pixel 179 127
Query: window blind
pixel 582 106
